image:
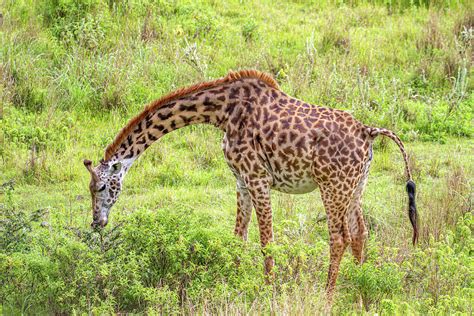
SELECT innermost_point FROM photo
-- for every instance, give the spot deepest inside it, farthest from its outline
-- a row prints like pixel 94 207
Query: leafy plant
pixel 250 30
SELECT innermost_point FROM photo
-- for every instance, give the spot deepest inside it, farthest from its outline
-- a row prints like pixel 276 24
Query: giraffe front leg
pixel 244 212
pixel 260 195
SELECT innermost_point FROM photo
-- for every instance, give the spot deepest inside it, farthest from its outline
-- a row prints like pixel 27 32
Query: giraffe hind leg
pixel 244 212
pixel 358 232
pixel 357 228
pixel 336 204
pixel 356 221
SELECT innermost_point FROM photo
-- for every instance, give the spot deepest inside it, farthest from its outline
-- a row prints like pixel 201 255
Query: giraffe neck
pixel 210 106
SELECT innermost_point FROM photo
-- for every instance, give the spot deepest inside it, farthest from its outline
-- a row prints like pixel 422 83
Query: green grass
pixel 73 72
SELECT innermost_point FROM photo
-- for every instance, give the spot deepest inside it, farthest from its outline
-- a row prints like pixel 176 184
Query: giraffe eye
pixel 102 188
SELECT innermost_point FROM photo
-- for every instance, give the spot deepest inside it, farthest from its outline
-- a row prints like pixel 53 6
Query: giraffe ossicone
pixel 271 141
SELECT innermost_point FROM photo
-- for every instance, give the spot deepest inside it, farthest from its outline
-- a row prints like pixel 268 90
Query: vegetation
pixel 73 72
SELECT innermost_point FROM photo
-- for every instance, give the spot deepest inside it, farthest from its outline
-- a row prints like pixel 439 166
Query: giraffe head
pixel 105 187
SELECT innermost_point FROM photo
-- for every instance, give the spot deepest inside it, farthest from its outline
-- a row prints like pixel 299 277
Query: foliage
pixel 71 21
pixel 165 260
pixel 98 54
pixel 249 30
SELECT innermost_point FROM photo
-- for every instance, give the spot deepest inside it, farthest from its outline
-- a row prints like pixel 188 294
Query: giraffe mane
pixel 150 108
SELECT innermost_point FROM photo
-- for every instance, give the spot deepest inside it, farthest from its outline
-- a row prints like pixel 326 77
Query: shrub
pixel 250 30
pixel 158 260
pixel 374 280
pixel 71 21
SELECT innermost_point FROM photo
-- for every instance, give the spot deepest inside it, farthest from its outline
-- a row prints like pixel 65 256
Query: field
pixel 72 73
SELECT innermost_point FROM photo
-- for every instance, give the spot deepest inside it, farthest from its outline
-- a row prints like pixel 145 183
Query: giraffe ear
pixel 115 168
pixel 88 165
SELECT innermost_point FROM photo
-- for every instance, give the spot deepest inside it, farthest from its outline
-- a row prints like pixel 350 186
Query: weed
pixel 448 205
pixel 250 30
pixel 149 30
pixel 72 22
pixel 16 224
pixel 433 168
pixel 432 37
pixel 192 58
pixel 335 37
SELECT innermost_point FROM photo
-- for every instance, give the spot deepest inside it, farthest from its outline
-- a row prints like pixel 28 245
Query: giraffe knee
pixel 347 239
pixel 339 241
pixel 362 233
pixel 362 228
pixel 359 237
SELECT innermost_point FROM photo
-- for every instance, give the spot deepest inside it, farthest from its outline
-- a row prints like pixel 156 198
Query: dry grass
pixel 432 37
pixel 445 206
pixel 308 300
pixel 463 24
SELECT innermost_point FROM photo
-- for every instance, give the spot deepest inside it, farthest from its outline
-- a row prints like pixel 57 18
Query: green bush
pixel 16 226
pixel 164 260
pixel 21 130
pixel 250 30
pixel 158 260
pixel 71 21
pixel 375 281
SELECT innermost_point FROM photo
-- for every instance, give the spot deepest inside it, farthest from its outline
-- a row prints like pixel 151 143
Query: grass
pixel 72 74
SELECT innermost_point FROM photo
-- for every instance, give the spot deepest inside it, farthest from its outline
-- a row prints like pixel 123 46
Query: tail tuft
pixel 412 213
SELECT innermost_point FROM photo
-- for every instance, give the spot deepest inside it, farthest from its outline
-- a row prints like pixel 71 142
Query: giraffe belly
pixel 294 186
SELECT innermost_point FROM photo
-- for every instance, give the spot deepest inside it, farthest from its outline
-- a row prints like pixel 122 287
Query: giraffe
pixel 271 141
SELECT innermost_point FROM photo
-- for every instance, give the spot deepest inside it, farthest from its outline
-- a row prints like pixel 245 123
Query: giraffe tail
pixel 410 185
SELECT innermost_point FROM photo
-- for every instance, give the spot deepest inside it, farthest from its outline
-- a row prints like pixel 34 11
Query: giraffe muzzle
pixel 101 222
